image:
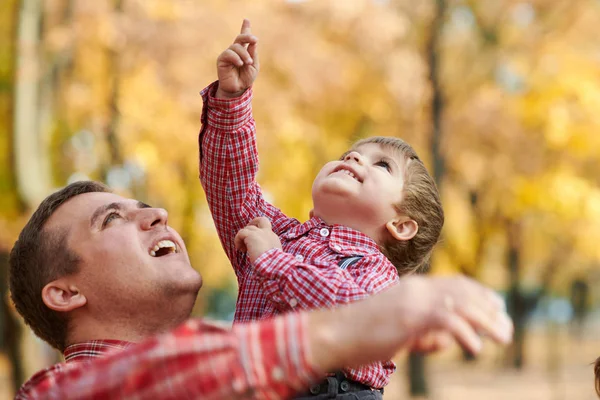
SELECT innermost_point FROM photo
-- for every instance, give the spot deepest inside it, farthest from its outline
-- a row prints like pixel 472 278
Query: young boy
pixel 376 213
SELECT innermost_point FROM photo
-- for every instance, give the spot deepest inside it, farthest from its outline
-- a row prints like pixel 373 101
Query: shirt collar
pixel 351 242
pixel 93 349
pixel 301 229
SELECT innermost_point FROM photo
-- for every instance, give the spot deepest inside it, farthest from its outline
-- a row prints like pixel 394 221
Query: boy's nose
pixel 354 156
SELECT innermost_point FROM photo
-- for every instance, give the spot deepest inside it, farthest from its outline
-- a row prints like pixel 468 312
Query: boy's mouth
pixel 346 169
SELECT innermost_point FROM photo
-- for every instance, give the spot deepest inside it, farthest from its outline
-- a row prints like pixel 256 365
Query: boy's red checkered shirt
pixel 305 275
pixel 266 360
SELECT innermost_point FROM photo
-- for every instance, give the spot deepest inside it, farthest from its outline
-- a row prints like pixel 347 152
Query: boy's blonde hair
pixel 420 202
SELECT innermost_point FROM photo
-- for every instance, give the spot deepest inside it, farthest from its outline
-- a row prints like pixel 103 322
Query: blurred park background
pixel 501 98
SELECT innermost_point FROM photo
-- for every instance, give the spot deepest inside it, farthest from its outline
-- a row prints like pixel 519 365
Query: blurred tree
pixel 118 94
pixel 30 147
pixel 10 204
pixel 418 383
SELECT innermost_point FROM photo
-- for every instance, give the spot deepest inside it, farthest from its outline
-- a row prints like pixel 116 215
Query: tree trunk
pixel 517 307
pixel 417 378
pixel 31 150
pixel 115 158
pixel 31 153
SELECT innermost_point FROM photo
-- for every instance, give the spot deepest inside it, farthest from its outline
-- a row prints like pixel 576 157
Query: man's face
pixel 133 266
pixel 362 189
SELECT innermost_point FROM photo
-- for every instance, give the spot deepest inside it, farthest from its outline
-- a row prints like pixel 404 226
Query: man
pixel 105 280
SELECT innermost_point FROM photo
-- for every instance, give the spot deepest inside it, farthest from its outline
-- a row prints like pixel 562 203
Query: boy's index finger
pixel 245 26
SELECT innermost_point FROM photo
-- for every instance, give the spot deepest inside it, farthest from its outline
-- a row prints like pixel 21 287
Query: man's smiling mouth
pixel 163 248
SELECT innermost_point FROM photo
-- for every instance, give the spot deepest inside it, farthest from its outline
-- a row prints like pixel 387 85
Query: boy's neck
pixel 346 222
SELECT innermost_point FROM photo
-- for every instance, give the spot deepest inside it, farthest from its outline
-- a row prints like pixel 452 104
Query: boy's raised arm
pixel 227 140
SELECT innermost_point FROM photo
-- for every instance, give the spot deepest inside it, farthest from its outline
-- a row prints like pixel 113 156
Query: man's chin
pixel 191 281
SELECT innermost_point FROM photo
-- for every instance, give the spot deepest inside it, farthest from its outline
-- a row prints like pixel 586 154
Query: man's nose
pixel 354 156
pixel 151 217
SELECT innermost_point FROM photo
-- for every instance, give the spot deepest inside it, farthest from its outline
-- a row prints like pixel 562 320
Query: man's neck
pixel 90 329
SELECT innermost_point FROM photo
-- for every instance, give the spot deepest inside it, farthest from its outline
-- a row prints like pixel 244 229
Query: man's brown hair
pixel 39 256
pixel 420 202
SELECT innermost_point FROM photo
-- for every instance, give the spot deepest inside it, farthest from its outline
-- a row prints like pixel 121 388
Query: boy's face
pixel 361 190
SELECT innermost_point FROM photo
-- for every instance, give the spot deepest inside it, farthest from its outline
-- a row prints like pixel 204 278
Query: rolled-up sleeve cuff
pixel 229 114
pixel 274 263
pixel 277 356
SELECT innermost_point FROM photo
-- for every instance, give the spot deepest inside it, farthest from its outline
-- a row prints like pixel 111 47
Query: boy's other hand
pixel 256 238
pixel 237 67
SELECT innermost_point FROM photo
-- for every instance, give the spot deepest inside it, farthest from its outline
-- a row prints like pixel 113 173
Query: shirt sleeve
pixel 266 360
pixel 290 283
pixel 228 167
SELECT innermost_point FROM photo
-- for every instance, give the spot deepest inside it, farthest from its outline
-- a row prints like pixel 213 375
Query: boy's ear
pixel 402 228
pixel 62 295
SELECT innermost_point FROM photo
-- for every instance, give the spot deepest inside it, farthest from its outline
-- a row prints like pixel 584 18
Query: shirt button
pixel 293 302
pixel 324 232
pixel 299 257
pixel 277 374
pixel 337 248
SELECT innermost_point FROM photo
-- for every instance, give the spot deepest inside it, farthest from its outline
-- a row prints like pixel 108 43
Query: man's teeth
pixel 164 244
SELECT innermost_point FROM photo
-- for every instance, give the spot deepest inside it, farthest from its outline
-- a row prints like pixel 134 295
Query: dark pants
pixel 340 388
pixel 362 395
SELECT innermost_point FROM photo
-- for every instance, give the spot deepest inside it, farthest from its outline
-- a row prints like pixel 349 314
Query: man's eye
pixel 109 218
pixel 384 164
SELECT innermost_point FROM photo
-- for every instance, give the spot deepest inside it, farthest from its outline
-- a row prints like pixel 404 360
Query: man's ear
pixel 402 228
pixel 62 295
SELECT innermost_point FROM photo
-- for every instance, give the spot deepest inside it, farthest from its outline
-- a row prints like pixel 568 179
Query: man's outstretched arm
pixel 266 360
pixel 275 358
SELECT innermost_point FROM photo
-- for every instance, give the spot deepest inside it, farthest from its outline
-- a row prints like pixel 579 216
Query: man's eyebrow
pixel 102 209
pixel 117 206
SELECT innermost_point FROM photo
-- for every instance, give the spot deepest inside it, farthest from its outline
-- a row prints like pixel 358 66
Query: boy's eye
pixel 384 164
pixel 109 218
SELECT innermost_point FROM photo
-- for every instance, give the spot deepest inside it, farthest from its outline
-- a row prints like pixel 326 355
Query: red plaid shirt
pixel 266 360
pixel 305 275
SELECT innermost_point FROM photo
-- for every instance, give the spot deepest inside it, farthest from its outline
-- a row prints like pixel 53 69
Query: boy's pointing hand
pixel 238 65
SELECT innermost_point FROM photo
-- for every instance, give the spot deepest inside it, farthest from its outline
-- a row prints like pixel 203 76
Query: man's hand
pixel 420 314
pixel 237 67
pixel 256 238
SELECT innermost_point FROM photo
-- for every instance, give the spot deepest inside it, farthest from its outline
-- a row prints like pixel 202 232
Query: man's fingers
pixel 493 324
pixel 245 26
pixel 230 57
pixel 241 52
pixel 485 298
pixel 464 334
pixel 432 341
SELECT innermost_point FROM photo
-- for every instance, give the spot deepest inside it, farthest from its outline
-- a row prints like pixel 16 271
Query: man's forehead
pixel 83 206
